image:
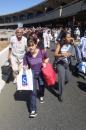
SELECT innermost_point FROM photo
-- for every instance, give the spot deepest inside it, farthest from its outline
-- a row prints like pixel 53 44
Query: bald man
pixel 17 49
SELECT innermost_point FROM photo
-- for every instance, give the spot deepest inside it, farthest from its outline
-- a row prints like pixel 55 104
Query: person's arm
pixel 58 53
pixel 72 41
pixel 46 60
pixel 25 44
pixel 9 54
pixel 10 50
pixel 25 62
pixel 45 57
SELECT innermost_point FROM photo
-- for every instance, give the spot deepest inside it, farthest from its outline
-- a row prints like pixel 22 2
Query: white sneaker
pixel 15 81
pixel 33 114
pixel 41 99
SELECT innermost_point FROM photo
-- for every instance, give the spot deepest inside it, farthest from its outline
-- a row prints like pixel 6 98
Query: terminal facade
pixel 48 12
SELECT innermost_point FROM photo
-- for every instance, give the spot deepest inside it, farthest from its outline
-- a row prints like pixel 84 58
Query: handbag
pixel 61 61
pixel 49 74
pixel 7 72
pixel 25 80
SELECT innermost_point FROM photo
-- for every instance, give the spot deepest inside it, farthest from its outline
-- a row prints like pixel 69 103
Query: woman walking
pixel 35 59
pixel 63 52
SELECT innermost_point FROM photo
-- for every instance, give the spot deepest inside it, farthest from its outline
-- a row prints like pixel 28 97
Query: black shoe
pixel 66 82
pixel 60 98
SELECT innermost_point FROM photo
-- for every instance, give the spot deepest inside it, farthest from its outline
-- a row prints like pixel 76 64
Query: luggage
pixel 6 72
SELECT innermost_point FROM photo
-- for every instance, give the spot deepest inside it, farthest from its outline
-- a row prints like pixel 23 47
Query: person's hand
pixel 9 58
pixel 43 64
pixel 69 54
pixel 46 60
pixel 72 40
pixel 66 54
pixel 25 67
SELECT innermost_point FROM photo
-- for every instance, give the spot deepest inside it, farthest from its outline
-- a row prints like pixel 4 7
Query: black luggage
pixel 7 73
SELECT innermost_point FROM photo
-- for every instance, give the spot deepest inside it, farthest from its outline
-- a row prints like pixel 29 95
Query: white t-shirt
pixel 18 47
pixel 45 37
pixel 65 48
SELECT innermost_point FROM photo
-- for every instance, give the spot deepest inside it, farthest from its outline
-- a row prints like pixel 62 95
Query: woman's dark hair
pixel 31 40
pixel 63 41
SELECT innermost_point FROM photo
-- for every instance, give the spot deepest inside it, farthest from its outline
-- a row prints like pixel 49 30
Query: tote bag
pixel 49 74
pixel 25 80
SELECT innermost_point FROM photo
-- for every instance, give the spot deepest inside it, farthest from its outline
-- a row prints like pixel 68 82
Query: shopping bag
pixel 49 74
pixel 82 67
pixel 25 80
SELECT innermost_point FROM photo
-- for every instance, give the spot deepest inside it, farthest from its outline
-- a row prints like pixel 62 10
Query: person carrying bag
pixel 33 60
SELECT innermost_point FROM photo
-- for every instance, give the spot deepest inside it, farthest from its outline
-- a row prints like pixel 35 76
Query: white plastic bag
pixel 82 67
pixel 25 80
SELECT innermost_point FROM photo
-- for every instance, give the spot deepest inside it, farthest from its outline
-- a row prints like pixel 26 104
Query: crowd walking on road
pixel 29 50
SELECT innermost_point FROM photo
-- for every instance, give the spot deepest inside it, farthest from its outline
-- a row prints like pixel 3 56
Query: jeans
pixel 37 80
pixel 63 75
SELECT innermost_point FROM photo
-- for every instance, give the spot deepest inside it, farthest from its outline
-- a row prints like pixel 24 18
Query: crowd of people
pixel 25 52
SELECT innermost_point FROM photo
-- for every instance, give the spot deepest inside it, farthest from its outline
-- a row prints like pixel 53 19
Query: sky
pixel 11 6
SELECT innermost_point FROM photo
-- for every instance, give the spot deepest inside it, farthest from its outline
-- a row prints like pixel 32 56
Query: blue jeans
pixel 37 80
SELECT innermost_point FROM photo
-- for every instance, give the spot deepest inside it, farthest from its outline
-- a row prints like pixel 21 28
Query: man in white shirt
pixel 45 38
pixel 77 33
pixel 49 38
pixel 17 49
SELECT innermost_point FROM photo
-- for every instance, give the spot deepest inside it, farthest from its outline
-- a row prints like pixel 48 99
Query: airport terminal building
pixel 48 12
